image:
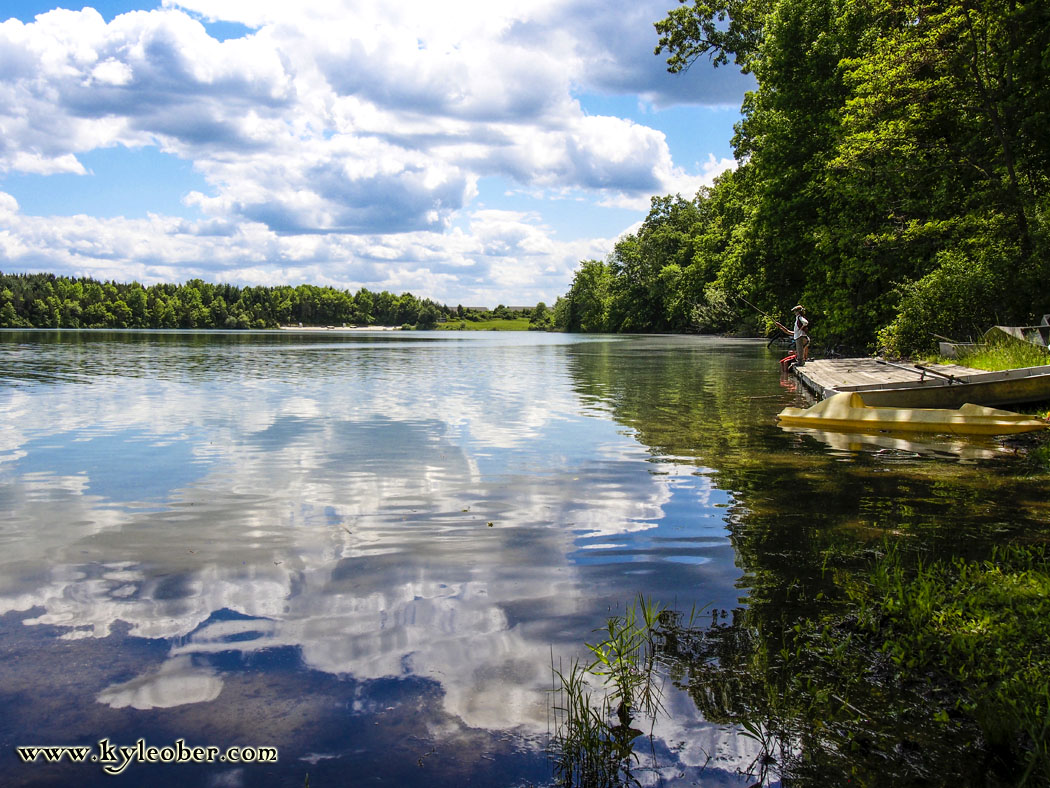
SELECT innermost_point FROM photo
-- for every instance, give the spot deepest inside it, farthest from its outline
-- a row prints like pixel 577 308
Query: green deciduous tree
pixel 46 300
pixel 587 303
pixel 893 173
pixel 429 315
pixel 940 155
pixel 541 318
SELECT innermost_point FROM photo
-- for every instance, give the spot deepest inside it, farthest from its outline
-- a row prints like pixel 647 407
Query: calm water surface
pixel 364 549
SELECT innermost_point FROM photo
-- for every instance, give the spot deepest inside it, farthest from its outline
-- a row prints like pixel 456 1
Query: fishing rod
pixel 776 322
pixel 765 314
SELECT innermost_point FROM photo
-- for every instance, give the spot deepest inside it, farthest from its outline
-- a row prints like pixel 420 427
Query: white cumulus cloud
pixel 341 139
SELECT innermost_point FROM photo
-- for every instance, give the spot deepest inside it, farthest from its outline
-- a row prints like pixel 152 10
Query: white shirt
pixel 800 326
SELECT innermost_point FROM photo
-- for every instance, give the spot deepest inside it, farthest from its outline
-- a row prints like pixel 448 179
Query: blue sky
pixel 464 151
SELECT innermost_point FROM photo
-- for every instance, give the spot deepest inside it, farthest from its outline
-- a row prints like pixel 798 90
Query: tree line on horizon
pixel 43 300
pixel 893 175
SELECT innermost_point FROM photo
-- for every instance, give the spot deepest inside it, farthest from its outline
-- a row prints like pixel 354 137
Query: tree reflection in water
pixel 838 686
pixel 913 673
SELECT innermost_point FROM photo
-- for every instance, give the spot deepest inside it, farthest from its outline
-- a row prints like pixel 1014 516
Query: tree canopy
pixel 50 301
pixel 892 174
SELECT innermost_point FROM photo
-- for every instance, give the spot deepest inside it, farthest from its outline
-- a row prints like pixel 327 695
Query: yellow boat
pixel 847 412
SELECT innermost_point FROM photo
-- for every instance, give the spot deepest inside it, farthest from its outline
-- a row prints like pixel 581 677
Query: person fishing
pixel 799 333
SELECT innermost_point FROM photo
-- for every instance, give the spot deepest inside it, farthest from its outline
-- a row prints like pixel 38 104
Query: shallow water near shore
pixel 365 550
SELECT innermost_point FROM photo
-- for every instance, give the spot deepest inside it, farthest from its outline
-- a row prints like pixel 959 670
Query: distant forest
pixel 50 301
pixel 893 176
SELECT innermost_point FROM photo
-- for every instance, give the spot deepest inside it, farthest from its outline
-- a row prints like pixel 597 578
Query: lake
pixel 367 550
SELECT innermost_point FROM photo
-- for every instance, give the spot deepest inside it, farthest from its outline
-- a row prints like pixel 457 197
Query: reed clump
pixel 596 705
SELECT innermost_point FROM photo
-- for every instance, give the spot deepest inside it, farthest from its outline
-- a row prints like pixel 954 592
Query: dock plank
pixel 833 373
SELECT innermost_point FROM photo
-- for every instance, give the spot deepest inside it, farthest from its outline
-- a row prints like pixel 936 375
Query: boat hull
pixel 850 412
pixel 1012 387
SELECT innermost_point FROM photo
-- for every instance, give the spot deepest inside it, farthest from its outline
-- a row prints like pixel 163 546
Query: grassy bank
pixel 1000 356
pixel 1005 355
pixel 496 324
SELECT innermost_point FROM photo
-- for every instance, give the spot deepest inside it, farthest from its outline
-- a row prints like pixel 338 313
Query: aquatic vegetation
pixel 981 628
pixel 594 706
pixel 914 672
pixel 931 672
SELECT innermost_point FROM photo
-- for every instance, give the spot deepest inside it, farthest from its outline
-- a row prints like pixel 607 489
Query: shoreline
pixel 340 328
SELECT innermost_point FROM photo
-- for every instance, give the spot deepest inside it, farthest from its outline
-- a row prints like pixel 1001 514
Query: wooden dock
pixel 832 373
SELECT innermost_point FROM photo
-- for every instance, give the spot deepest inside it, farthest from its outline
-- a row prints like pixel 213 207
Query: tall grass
pixel 998 356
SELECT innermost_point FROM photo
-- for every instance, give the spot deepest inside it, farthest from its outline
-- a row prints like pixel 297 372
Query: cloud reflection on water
pixel 176 682
pixel 345 512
